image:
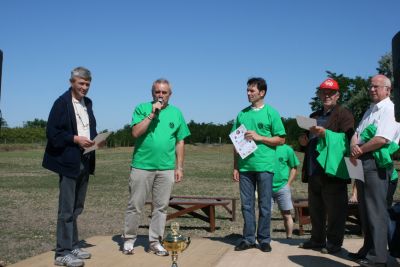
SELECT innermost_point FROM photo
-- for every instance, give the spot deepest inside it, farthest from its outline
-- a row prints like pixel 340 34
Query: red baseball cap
pixel 329 84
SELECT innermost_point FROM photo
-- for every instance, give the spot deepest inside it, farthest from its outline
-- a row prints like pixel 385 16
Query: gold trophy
pixel 175 242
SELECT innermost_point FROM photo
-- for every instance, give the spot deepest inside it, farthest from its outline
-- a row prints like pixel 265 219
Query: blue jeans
pixel 248 183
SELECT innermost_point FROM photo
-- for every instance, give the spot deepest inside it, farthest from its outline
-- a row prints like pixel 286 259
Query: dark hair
pixel 259 82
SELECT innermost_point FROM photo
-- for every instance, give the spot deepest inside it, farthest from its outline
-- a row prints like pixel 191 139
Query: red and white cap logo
pixel 329 84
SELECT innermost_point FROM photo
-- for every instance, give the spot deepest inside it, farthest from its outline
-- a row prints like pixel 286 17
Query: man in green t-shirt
pixel 286 164
pixel 159 129
pixel 264 126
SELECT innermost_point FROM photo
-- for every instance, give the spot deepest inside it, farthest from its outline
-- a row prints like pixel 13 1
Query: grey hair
pixel 81 72
pixel 161 80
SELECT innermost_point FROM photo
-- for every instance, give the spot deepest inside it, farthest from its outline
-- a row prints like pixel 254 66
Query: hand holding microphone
pixel 158 105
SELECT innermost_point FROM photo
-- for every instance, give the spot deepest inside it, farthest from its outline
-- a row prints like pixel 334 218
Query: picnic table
pixel 193 204
pixel 302 215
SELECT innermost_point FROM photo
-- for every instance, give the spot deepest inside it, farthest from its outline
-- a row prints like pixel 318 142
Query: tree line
pixel 209 133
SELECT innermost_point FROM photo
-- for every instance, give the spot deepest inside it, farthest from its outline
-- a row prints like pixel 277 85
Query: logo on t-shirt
pixel 260 125
pixel 171 125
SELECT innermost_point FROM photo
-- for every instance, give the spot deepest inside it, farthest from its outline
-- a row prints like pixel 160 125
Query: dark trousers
pixel 391 190
pixel 70 205
pixel 327 201
pixel 372 194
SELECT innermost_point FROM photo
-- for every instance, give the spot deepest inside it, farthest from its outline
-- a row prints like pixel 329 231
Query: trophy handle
pixel 187 243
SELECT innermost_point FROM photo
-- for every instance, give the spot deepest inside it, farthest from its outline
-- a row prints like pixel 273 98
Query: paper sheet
pixel 305 122
pixel 243 146
pixel 98 139
pixel 355 172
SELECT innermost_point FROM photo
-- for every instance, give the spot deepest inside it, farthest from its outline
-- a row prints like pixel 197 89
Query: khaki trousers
pixel 141 183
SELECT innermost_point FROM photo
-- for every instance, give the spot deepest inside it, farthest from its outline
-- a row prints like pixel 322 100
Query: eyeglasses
pixel 375 87
pixel 328 93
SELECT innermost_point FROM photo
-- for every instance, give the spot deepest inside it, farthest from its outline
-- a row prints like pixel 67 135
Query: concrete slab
pixel 203 252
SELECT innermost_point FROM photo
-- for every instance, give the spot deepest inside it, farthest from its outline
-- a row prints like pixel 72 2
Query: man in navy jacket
pixel 70 128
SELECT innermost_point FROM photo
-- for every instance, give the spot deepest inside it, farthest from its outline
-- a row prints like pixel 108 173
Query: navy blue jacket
pixel 62 155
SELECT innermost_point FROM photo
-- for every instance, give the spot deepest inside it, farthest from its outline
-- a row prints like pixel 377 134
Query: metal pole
pixel 396 74
pixel 1 71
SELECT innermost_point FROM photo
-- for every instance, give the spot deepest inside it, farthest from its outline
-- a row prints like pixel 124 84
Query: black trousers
pixel 391 190
pixel 327 202
pixel 372 201
pixel 70 205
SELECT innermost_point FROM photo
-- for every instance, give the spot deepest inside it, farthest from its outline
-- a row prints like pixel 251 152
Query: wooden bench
pixel 302 215
pixel 192 204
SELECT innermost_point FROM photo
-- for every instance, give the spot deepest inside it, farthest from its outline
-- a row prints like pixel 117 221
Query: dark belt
pixel 367 156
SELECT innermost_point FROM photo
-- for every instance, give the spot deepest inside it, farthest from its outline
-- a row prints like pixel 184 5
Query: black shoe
pixel 244 245
pixel 310 245
pixel 368 263
pixel 355 256
pixel 265 247
pixel 332 249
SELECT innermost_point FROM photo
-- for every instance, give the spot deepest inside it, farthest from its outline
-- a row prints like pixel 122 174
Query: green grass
pixel 29 198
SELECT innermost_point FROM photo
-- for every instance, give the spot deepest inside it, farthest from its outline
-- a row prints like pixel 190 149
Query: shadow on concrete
pixel 231 239
pixel 296 242
pixel 141 241
pixel 307 260
pixel 290 242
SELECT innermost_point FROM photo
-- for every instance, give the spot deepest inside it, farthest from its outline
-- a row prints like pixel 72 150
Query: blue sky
pixel 207 49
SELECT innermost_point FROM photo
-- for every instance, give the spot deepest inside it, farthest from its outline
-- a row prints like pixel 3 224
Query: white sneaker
pixel 128 247
pixel 81 254
pixel 69 261
pixel 157 249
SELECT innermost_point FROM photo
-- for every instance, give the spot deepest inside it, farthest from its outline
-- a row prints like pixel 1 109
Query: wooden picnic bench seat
pixel 192 204
pixel 302 215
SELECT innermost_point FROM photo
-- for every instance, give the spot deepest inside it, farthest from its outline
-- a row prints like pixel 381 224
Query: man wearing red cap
pixel 327 194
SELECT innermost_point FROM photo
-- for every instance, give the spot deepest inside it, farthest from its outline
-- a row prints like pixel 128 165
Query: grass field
pixel 29 198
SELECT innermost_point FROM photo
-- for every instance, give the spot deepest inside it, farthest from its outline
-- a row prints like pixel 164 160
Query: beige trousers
pixel 141 183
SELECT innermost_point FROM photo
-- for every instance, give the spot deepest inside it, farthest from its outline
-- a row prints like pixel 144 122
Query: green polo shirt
pixel 285 160
pixel 266 122
pixel 155 149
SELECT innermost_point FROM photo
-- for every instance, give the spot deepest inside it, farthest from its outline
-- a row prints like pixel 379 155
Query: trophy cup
pixel 175 242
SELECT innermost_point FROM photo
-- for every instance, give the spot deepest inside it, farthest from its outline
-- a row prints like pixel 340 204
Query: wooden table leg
pixel 233 210
pixel 212 218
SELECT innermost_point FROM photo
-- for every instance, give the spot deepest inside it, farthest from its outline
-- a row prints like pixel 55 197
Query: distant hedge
pixel 34 133
pixel 22 135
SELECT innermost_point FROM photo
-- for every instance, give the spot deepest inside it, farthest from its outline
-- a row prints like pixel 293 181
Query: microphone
pixel 161 101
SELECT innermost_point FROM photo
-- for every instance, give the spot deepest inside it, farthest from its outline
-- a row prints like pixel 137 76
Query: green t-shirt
pixel 266 122
pixel 155 149
pixel 285 160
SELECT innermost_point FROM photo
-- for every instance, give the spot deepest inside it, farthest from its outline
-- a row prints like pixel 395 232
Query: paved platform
pixel 204 252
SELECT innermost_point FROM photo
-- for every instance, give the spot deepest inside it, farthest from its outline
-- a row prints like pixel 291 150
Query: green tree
pixel 386 66
pixel 36 123
pixel 3 123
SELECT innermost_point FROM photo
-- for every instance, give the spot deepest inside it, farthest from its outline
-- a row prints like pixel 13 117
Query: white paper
pixel 98 139
pixel 243 146
pixel 305 122
pixel 355 172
